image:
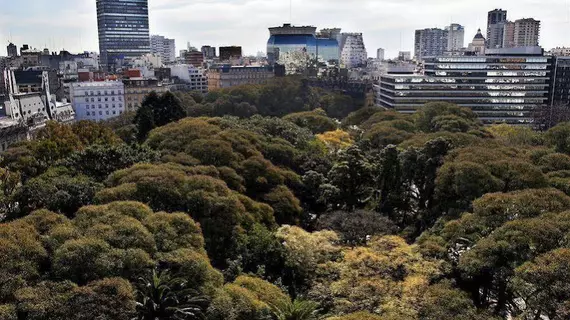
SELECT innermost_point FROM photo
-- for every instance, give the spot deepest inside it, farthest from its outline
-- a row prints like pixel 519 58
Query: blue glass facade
pixel 326 49
pixel 123 30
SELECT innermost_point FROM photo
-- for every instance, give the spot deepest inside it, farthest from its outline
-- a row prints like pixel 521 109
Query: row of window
pixel 106 99
pixel 101 107
pixel 101 113
pixel 92 93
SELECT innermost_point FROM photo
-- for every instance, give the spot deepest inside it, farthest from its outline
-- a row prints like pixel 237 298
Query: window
pixel 100 113
pixel 113 92
pixel 88 113
pixel 99 99
pixel 100 106
pixel 107 112
pixel 114 112
pixel 92 99
pixel 106 106
pixel 98 93
pixel 113 106
pixel 87 107
pixel 106 99
pixel 113 99
pixel 86 99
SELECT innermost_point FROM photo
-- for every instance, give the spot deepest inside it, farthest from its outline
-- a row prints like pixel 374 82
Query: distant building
pixel 560 52
pixel 209 52
pixel 190 78
pixel 509 35
pixel 505 85
pixel 230 76
pixel 229 53
pixel 136 90
pixel 98 101
pixel 404 56
pixel 380 54
pixel 560 85
pixel 12 50
pixel 353 52
pixel 195 58
pixel 288 39
pixel 478 45
pixel 163 47
pixel 123 30
pixel 455 37
pixel 526 33
pixel 496 20
pixel 430 42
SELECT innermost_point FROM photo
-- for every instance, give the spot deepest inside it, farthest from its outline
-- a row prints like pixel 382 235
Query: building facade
pixel 12 50
pixel 526 33
pixel 496 21
pixel 404 56
pixel 560 52
pixel 509 35
pixel 230 76
pixel 163 47
pixel 430 42
pixel 560 85
pixel 455 37
pixel 98 101
pixel 289 39
pixel 136 90
pixel 195 58
pixel 478 45
pixel 190 78
pixel 506 85
pixel 123 30
pixel 380 54
pixel 209 52
pixel 229 53
pixel 353 54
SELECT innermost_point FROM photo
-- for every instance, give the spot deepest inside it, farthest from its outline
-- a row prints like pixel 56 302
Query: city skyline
pixel 223 23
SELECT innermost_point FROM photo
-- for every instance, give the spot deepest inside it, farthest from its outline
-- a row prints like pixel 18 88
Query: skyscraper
pixel 526 32
pixel 123 30
pixel 496 21
pixel 164 47
pixel 455 37
pixel 380 54
pixel 12 50
pixel 509 35
pixel 353 54
pixel 430 42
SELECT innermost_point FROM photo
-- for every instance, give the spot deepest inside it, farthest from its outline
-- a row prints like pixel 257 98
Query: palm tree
pixel 162 297
pixel 296 310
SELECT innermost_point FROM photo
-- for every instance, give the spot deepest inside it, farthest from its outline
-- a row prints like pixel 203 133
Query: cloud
pixel 389 24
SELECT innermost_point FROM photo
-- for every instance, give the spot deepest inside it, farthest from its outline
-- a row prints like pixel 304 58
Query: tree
pixel 352 175
pixel 445 116
pixel 559 137
pixel 316 121
pixel 296 310
pixel 157 111
pixel 356 228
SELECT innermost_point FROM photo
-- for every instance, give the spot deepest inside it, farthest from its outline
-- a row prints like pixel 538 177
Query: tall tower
pixel 496 21
pixel 430 42
pixel 123 30
pixel 526 32
pixel 455 37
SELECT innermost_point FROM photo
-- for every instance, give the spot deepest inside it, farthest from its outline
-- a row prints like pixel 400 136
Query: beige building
pixel 136 90
pixel 478 44
pixel 527 33
pixel 229 76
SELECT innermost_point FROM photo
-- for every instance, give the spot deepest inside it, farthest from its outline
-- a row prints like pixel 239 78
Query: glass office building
pixel 123 30
pixel 288 38
pixel 498 88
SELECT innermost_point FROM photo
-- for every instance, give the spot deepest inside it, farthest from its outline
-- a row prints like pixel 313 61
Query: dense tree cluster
pixel 277 202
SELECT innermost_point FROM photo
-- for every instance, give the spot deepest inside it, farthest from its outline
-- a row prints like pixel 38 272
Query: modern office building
pixel 380 54
pixel 526 33
pixel 123 30
pixel 505 85
pixel 455 37
pixel 353 54
pixel 209 52
pixel 12 50
pixel 229 53
pixel 230 76
pixel 288 38
pixel 430 42
pixel 560 84
pixel 163 47
pixel 98 101
pixel 478 45
pixel 496 21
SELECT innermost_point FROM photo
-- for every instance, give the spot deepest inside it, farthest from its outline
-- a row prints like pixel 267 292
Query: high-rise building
pixel 478 44
pixel 404 56
pixel 380 54
pixel 430 42
pixel 455 37
pixel 228 53
pixel 526 32
pixel 353 52
pixel 194 57
pixel 12 50
pixel 123 30
pixel 288 39
pixel 496 21
pixel 163 47
pixel 209 52
pixel 504 85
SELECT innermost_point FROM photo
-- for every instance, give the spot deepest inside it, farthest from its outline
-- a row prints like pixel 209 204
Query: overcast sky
pixel 390 24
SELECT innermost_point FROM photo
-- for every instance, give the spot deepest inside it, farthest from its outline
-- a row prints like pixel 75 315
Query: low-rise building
pixel 98 101
pixel 229 76
pixel 136 90
pixel 189 78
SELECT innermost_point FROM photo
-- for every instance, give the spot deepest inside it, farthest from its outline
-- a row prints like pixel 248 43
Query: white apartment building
pixel 164 47
pixel 560 52
pixel 194 78
pixel 98 101
pixel 527 33
pixel 353 53
pixel 380 54
pixel 455 37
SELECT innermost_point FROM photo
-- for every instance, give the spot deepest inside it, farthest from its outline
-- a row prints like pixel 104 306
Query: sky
pixel 389 24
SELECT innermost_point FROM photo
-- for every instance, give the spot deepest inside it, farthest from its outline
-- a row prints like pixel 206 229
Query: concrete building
pixel 230 53
pixel 560 52
pixel 98 101
pixel 455 37
pixel 353 54
pixel 526 33
pixel 380 54
pixel 163 47
pixel 496 20
pixel 136 90
pixel 195 58
pixel 404 56
pixel 230 76
pixel 509 35
pixel 12 50
pixel 190 78
pixel 123 31
pixel 209 52
pixel 430 42
pixel 478 45
pixel 505 85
